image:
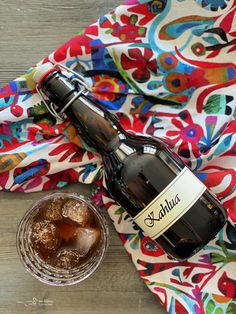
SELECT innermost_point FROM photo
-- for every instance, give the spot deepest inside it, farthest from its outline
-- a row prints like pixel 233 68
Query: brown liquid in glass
pixel 57 238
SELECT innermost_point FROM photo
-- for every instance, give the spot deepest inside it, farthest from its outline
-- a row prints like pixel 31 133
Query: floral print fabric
pixel 167 69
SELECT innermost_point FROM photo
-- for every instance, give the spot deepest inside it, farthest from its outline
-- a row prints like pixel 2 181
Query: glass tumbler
pixel 46 272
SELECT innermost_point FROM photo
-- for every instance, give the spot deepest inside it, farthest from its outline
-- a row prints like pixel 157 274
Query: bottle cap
pixel 42 71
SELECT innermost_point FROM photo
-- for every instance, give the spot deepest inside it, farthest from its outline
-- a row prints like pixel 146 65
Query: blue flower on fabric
pixel 212 136
pixel 87 170
pixel 156 6
pixel 213 5
pixel 141 105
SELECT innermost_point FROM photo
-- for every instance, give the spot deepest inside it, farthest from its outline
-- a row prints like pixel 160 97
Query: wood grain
pixel 31 29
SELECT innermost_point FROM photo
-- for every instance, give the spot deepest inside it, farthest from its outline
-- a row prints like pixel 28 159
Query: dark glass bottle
pixel 142 174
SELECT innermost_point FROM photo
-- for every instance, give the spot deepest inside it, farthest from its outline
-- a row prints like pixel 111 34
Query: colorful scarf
pixel 167 68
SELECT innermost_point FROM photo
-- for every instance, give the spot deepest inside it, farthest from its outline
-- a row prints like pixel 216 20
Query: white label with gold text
pixel 172 203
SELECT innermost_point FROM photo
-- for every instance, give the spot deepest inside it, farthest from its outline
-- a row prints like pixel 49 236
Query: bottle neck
pixel 98 127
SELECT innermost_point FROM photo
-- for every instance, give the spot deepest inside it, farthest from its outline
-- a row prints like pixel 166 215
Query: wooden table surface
pixel 31 29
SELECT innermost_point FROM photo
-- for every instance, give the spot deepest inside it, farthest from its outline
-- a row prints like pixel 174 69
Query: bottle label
pixel 172 203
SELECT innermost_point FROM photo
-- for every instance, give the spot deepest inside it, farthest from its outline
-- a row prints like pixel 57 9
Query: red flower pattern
pixel 77 44
pixel 188 135
pixel 143 64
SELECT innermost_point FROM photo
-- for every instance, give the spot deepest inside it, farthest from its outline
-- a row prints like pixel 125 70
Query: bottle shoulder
pixel 132 156
pixel 143 148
